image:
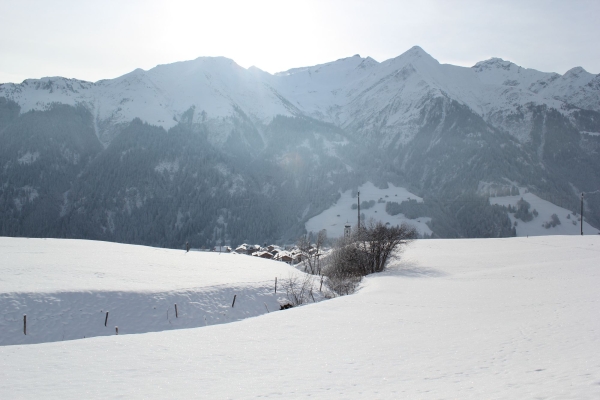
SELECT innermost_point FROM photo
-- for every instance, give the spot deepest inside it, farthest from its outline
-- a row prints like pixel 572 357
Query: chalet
pixel 284 256
pixel 253 249
pixel 263 254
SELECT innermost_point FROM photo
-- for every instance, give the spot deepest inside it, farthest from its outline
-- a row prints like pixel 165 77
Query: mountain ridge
pixel 578 83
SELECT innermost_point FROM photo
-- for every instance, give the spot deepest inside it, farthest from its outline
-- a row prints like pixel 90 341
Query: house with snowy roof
pixel 263 254
pixel 284 256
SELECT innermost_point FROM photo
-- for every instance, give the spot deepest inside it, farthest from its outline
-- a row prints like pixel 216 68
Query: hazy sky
pixel 94 40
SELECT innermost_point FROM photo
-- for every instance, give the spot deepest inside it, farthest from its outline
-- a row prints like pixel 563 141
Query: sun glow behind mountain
pixel 98 40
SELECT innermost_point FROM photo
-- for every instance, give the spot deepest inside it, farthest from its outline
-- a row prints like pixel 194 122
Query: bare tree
pixel 367 251
pixel 321 239
pixel 342 268
pixel 379 242
pixel 311 253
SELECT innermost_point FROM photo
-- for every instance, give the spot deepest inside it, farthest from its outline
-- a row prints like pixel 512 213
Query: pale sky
pixel 93 40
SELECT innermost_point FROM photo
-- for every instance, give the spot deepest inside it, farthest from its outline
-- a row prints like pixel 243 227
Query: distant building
pixel 284 256
pixel 263 254
pixel 242 248
pixel 347 230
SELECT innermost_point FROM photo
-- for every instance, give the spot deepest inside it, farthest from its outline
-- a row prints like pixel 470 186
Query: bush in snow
pixel 367 251
pixel 298 290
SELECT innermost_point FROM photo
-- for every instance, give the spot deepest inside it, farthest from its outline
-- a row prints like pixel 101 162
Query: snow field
pixel 77 315
pixel 334 218
pixel 65 287
pixel 545 210
pixel 470 319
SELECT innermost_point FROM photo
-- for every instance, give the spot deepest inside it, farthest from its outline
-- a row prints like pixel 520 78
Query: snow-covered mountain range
pixel 353 92
pixel 292 141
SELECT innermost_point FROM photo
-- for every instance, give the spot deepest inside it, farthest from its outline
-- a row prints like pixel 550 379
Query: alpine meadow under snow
pixel 470 319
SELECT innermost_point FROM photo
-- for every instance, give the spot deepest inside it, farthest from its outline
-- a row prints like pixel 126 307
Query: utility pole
pixel 359 211
pixel 581 213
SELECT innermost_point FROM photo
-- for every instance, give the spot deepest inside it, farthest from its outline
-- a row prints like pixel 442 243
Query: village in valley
pixel 291 254
pixel 270 252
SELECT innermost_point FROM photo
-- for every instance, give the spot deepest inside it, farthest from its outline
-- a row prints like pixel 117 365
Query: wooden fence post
pixel 106 319
pixel 117 329
pixel 234 296
pixel 176 314
pixel 25 324
pixel 321 283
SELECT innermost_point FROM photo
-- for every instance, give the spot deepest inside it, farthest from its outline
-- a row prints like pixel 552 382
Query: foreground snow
pixel 65 287
pixel 483 318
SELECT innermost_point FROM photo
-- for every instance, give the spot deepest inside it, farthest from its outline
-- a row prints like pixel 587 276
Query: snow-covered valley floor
pixel 453 319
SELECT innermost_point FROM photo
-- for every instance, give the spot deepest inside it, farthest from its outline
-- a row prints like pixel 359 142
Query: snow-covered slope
pixel 215 87
pixel 389 96
pixel 570 223
pixel 66 287
pixel 470 319
pixel 341 213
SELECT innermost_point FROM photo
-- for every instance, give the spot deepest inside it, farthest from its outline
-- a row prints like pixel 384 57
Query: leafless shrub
pixel 367 251
pixel 380 243
pixel 298 289
pixel 340 285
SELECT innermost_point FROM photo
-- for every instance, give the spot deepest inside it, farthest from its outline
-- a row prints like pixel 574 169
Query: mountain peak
pixel 575 72
pixel 416 51
pixel 355 60
pixel 414 54
pixel 493 63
